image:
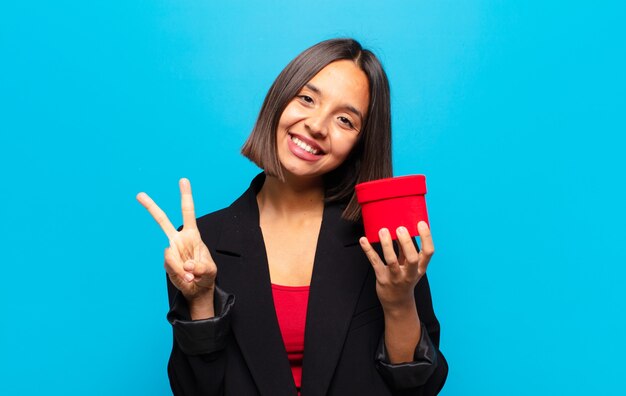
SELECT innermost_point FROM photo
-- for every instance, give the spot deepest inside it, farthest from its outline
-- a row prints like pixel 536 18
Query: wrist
pixel 202 307
pixel 400 308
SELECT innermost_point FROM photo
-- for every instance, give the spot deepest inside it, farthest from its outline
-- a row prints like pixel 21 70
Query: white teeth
pixel 303 145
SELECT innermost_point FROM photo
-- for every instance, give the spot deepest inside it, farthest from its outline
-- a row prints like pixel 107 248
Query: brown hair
pixel 370 159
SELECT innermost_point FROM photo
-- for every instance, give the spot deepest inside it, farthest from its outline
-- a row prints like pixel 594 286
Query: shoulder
pixel 211 224
pixel 212 218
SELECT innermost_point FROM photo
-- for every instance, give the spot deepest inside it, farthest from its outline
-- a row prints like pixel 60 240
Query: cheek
pixel 345 145
pixel 285 123
pixel 289 115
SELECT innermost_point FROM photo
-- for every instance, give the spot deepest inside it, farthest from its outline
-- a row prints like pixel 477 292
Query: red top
pixel 290 303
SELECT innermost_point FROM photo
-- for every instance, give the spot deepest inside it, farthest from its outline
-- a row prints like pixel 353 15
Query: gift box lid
pixel 392 187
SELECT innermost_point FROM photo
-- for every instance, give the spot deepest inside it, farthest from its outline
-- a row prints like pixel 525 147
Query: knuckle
pixel 397 282
pixel 413 258
pixel 206 268
pixel 383 281
pixel 372 255
pixel 201 270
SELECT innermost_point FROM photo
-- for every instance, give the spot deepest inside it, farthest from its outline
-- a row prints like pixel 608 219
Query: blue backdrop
pixel 513 110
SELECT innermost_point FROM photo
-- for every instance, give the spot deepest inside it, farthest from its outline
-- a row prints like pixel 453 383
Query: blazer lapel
pixel 244 272
pixel 338 275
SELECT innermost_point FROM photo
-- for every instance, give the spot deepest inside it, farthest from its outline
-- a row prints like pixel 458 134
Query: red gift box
pixel 391 203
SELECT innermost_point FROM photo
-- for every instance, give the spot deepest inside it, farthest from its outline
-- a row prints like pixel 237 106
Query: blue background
pixel 513 110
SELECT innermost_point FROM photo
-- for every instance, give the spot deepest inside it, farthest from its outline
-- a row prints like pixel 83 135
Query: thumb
pixel 204 274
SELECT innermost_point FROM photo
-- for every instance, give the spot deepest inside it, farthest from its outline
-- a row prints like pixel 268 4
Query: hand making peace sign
pixel 187 261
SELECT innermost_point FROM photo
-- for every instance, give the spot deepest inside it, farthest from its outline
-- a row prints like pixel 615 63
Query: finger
pixel 205 276
pixel 390 255
pixel 193 270
pixel 203 269
pixel 157 214
pixel 372 256
pixel 207 270
pixel 428 248
pixel 180 250
pixel 408 250
pixel 175 267
pixel 182 246
pixel 186 202
pixel 189 265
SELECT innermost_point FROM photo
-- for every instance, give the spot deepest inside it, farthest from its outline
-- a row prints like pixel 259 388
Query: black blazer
pixel 241 352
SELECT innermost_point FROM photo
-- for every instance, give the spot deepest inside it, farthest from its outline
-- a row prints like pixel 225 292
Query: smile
pixel 304 146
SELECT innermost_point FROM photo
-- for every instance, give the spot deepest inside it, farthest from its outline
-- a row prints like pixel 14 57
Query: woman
pixel 279 294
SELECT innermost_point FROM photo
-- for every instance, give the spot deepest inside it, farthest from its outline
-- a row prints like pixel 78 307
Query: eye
pixel 345 121
pixel 305 98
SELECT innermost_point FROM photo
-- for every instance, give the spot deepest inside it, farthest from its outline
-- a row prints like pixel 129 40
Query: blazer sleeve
pixel 197 362
pixel 428 371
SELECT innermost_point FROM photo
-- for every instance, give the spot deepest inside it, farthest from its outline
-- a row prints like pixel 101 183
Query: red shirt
pixel 290 303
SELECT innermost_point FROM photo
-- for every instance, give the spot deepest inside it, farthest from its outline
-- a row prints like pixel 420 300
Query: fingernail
pixel 402 230
pixel 188 277
pixel 383 232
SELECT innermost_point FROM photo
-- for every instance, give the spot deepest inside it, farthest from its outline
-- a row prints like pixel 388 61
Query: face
pixel 320 126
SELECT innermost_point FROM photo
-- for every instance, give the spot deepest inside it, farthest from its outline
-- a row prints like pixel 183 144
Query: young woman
pixel 280 294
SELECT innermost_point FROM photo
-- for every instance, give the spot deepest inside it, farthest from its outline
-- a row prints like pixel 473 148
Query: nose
pixel 316 124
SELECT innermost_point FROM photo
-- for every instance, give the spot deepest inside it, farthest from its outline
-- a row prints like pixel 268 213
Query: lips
pixel 304 148
pixel 306 144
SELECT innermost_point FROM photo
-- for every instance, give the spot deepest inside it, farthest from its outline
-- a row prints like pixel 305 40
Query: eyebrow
pixel 348 107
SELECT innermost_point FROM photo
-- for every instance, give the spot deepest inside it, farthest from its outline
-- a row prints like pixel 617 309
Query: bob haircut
pixel 370 159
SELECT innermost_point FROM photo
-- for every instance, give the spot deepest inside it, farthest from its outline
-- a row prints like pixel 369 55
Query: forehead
pixel 343 81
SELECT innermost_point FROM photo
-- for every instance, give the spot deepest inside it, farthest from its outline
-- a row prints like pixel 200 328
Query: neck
pixel 291 197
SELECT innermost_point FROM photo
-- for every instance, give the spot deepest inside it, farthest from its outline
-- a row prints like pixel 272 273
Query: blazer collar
pixel 244 216
pixel 338 274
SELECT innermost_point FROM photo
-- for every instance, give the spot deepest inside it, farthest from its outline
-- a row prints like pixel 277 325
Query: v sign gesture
pixel 188 262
